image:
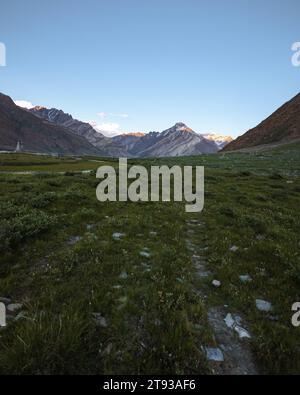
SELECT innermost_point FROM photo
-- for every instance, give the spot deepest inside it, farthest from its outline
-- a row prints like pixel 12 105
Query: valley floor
pixel 118 288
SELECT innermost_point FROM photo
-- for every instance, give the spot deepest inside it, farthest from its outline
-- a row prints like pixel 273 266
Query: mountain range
pixel 179 140
pixel 52 131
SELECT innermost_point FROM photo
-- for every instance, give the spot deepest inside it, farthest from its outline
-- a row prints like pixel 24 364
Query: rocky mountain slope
pixel 105 145
pixel 179 140
pixel 280 127
pixel 37 135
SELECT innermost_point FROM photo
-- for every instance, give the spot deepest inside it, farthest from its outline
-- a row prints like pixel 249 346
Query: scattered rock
pixel 180 280
pixel 263 305
pixel 216 283
pixel 245 278
pixel 90 226
pixel 73 240
pixel 214 354
pixel 233 248
pixel 20 316
pixel 108 349
pixel 145 254
pixel 260 237
pixel 153 233
pixel 118 236
pixel 123 276
pixel 13 307
pixel 235 324
pixel 100 320
pixel 238 355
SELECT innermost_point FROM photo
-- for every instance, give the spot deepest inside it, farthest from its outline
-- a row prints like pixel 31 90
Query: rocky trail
pixel 231 353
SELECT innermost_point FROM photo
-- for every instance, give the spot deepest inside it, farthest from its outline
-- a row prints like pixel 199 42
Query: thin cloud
pixel 103 114
pixel 24 104
pixel 109 129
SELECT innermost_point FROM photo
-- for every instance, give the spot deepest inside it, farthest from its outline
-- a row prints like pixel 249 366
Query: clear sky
pixel 140 65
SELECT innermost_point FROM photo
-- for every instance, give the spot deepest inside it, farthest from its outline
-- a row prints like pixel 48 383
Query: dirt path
pixel 232 355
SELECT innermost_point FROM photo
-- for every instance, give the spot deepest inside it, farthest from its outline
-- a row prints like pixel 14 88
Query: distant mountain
pixel 105 145
pixel 179 140
pixel 37 135
pixel 220 140
pixel 176 141
pixel 280 127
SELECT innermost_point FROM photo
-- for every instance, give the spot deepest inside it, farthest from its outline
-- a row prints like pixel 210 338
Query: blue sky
pixel 219 66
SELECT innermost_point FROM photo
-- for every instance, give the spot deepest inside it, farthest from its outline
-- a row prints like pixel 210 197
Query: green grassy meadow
pixel 59 259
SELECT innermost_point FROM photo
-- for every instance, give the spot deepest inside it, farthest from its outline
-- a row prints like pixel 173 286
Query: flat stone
pixel 14 307
pixel 123 275
pixel 108 349
pixel 263 305
pixel 216 283
pixel 233 248
pixel 242 332
pixel 74 239
pixel 214 354
pixel 245 278
pixel 235 324
pixel 145 254
pixel 118 236
pixel 21 315
pixel 100 320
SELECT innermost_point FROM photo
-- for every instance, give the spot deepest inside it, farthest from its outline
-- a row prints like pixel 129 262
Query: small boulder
pixel 214 354
pixel 123 276
pixel 263 305
pixel 99 320
pixel 13 307
pixel 117 235
pixel 216 283
pixel 245 278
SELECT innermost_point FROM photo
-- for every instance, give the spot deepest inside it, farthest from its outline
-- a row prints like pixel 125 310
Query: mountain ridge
pixel 37 135
pixel 281 126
